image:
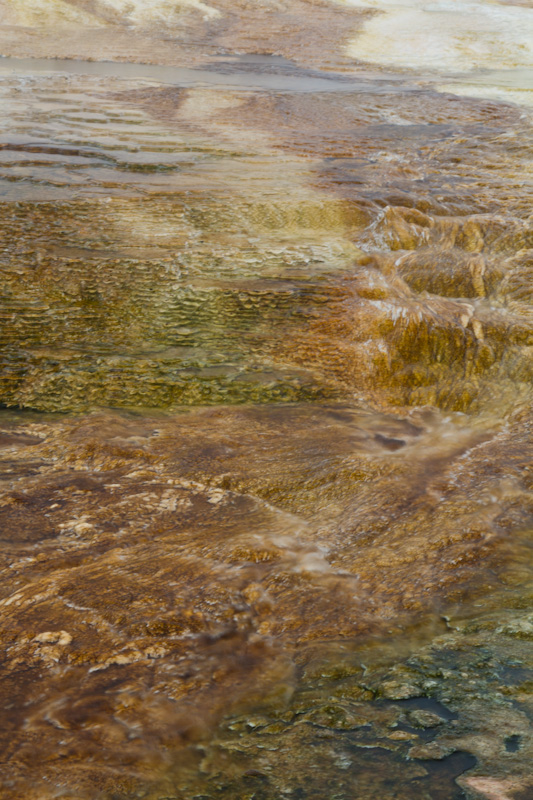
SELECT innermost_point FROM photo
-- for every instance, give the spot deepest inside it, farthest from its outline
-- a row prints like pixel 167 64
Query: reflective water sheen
pixel 266 404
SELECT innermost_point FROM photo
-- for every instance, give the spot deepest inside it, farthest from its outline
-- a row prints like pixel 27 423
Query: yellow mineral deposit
pixel 266 337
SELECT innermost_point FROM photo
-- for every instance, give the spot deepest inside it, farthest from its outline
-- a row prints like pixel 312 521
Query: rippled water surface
pixel 266 409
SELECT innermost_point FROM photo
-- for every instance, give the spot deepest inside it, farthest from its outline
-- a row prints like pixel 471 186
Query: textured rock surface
pixel 265 426
pixel 159 572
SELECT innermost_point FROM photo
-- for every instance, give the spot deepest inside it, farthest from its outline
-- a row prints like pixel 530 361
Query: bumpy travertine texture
pixel 158 573
pixel 362 260
pixel 178 31
pixel 265 436
pixel 446 36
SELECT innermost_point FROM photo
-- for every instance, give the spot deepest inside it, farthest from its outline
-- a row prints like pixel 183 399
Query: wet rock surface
pixel 265 425
pixel 161 572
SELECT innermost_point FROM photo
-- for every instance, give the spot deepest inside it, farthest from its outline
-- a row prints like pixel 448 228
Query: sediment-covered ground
pixel 265 437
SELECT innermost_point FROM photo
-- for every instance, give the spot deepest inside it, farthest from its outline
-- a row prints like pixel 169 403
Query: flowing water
pixel 266 405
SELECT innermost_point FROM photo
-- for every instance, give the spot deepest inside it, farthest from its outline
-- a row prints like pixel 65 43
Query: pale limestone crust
pixel 54 637
pixel 446 36
pixel 149 11
pixel 50 13
pixel 450 37
pixel 45 13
